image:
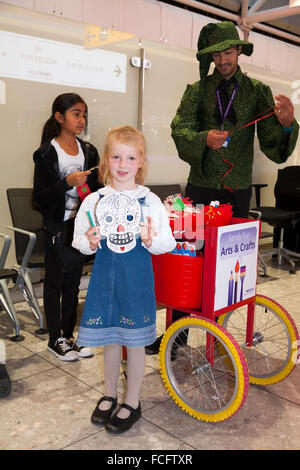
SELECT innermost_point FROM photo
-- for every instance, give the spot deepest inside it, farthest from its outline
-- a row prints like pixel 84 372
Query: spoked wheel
pixel 207 382
pixel 272 357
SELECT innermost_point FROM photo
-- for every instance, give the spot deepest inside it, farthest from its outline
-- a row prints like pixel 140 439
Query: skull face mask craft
pixel 119 217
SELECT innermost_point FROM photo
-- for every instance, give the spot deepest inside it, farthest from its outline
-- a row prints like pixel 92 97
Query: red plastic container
pixel 218 216
pixel 178 280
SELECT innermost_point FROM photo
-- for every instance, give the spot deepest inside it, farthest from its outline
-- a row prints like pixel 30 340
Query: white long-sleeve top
pixel 163 242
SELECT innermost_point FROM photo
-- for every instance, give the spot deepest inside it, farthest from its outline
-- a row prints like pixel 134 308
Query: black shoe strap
pixel 129 408
pixel 106 398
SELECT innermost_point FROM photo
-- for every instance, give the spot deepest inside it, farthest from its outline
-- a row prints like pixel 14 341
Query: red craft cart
pixel 208 358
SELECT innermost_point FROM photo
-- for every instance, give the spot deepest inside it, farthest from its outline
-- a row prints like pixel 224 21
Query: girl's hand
pixel 94 237
pixel 147 232
pixel 78 178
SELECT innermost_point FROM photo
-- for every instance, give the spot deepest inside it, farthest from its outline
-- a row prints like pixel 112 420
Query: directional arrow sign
pixel 118 71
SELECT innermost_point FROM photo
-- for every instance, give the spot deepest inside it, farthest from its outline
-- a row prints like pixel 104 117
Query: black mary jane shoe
pixel 118 425
pixel 101 417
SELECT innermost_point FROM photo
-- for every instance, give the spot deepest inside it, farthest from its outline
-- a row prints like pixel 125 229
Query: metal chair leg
pixel 262 264
pixel 8 306
pixel 24 283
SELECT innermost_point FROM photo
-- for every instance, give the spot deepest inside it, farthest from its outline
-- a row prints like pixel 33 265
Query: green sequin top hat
pixel 216 37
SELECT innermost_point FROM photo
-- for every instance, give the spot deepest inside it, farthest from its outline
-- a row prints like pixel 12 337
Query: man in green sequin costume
pixel 199 129
pixel 221 102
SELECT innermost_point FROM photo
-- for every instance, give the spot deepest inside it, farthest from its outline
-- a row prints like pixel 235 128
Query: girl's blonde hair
pixel 130 136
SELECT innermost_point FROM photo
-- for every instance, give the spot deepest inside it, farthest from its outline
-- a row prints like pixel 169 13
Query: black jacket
pixel 49 189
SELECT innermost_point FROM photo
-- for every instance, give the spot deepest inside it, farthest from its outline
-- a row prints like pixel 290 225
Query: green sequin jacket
pixel 195 117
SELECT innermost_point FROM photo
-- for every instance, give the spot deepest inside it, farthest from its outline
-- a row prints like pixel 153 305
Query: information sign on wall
pixel 41 60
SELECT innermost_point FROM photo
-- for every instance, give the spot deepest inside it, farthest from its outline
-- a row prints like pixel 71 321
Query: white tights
pixel 135 375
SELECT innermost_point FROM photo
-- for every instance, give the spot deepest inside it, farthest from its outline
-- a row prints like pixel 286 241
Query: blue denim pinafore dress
pixel 120 306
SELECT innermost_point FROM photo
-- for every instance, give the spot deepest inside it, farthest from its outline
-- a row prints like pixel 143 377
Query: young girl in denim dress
pixel 124 223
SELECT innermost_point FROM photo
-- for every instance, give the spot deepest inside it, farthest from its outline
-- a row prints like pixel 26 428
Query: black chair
pixel 287 194
pixel 164 190
pixel 29 246
pixel 286 217
pixel 26 218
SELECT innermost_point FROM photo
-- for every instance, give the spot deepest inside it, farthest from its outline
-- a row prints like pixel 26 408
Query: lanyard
pixel 229 104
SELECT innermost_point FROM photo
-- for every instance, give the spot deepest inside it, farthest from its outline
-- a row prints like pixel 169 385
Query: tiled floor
pixel 51 401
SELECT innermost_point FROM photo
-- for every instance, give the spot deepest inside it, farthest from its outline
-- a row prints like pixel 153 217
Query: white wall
pixel 153 20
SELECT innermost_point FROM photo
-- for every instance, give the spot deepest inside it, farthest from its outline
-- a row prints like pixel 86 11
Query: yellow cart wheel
pixel 273 355
pixel 207 384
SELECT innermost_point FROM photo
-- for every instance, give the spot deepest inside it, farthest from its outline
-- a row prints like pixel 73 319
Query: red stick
pixel 249 124
pixel 234 130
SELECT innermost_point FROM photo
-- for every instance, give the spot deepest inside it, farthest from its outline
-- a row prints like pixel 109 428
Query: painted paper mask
pixel 119 217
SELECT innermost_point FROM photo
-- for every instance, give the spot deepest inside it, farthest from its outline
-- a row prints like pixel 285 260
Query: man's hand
pixel 215 139
pixel 78 178
pixel 284 110
pixel 147 231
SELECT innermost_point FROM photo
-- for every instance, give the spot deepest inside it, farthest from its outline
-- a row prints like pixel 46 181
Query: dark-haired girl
pixel 62 163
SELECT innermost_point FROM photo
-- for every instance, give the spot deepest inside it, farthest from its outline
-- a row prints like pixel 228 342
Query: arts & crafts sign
pixel 236 267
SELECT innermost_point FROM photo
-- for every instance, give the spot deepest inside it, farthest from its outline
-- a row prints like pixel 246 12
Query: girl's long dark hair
pixel 61 104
